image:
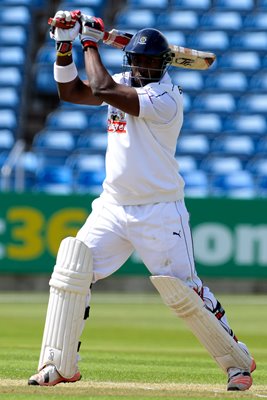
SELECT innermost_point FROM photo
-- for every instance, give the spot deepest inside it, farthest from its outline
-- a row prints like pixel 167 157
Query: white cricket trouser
pixel 159 233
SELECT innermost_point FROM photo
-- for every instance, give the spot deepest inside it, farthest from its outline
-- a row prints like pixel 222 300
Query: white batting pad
pixel 187 304
pixel 69 288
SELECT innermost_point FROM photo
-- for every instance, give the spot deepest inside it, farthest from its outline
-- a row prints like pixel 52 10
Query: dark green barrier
pixel 230 236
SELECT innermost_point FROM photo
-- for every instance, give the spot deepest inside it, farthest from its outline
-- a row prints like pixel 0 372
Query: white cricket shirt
pixel 140 161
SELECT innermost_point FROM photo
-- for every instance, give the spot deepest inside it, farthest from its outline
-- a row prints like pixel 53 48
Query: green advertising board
pixel 230 236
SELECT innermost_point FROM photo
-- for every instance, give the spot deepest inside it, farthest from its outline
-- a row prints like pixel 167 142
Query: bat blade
pixel 190 58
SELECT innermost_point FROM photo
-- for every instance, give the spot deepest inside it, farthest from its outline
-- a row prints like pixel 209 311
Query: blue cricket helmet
pixel 149 42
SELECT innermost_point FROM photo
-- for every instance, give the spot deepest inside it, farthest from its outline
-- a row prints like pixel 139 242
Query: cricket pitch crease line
pixel 257 391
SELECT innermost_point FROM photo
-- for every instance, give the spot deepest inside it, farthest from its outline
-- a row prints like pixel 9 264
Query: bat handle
pixel 117 38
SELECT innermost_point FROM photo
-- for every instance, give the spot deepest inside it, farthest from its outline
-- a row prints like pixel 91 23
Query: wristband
pixel 89 43
pixel 64 54
pixel 65 74
pixel 63 47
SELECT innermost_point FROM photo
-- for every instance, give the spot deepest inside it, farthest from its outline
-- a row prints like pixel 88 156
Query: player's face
pixel 145 69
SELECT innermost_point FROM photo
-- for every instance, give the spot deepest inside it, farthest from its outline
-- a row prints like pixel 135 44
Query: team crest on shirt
pixel 116 121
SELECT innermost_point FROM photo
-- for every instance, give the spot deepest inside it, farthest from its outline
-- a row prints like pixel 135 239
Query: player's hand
pixel 92 29
pixel 65 19
pixel 65 35
pixel 65 26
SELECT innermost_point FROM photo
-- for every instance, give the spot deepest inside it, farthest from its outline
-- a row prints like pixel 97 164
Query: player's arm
pixel 76 91
pixel 65 27
pixel 102 85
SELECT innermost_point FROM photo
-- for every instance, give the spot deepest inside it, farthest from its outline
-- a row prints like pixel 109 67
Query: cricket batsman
pixel 141 207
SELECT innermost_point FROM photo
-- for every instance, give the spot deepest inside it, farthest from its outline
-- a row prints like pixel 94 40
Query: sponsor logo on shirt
pixel 116 121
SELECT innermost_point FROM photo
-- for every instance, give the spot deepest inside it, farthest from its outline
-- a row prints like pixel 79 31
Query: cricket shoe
pixel 239 379
pixel 48 376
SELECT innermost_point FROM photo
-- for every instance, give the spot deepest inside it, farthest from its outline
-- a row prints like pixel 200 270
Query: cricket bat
pixel 182 57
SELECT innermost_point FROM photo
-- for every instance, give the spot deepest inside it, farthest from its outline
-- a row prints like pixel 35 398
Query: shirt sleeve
pixel 157 105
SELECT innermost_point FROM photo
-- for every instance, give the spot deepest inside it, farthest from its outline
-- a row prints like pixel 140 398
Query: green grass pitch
pixel 133 347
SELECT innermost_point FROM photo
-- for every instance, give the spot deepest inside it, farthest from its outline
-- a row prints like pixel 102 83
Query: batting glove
pixel 92 31
pixel 65 27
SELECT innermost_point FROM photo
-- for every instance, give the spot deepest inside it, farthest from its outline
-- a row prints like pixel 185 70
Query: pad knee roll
pixel 69 288
pixel 187 304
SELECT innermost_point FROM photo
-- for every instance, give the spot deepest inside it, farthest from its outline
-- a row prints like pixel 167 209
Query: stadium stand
pixel 223 139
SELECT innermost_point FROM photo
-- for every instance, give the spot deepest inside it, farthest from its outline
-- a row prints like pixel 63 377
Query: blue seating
pixel 3 157
pixel 220 103
pixel 236 5
pixel 67 120
pixel 261 146
pixel 85 3
pixel 9 3
pixel 15 15
pixel 174 37
pixel 29 163
pixel 184 20
pixel 86 161
pixel 253 103
pixel 256 21
pixel 156 5
pixel 12 56
pixel 223 20
pixel 54 140
pixel 13 35
pixel 90 7
pixel 46 55
pixel 258 165
pixel 10 77
pixel 186 163
pixel 136 19
pixel 262 5
pixel 6 139
pixel 53 147
pixel 187 102
pixel 248 61
pixel 196 184
pixel 191 4
pixel 89 172
pixel 221 164
pixel 241 146
pixel 31 4
pixel 8 119
pixel 261 184
pixel 239 184
pixel 44 80
pixel 231 81
pixel 190 81
pixel 253 124
pixel 9 98
pixel 249 41
pixel 96 142
pixel 89 182
pixel 98 121
pixel 54 179
pixel 202 123
pixel 218 41
pixel 197 145
pixel 258 82
pixel 112 58
pixel 80 5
